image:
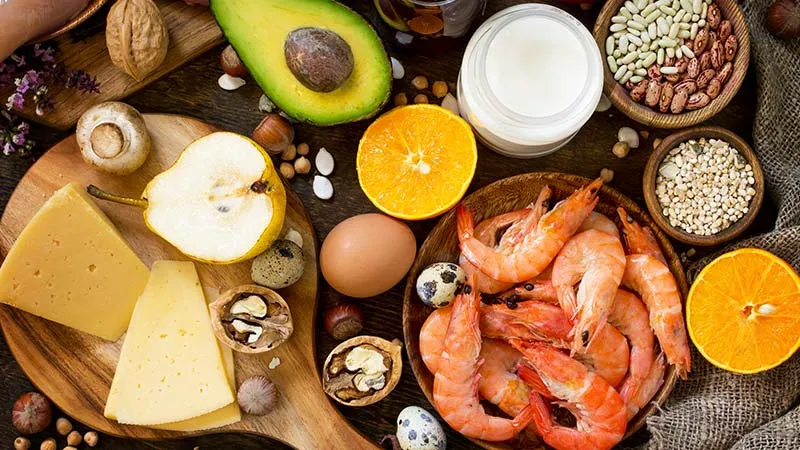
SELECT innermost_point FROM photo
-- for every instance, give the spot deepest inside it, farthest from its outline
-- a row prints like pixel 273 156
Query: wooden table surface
pixel 193 90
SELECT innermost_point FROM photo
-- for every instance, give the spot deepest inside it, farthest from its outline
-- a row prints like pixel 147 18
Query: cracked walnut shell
pixel 251 319
pixel 136 37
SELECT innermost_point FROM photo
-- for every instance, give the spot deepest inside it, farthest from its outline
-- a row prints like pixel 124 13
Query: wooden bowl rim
pixel 89 11
pixel 620 98
pixel 618 198
pixel 651 171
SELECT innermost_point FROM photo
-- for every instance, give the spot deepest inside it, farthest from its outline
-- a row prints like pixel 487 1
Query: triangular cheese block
pixel 70 265
pixel 170 367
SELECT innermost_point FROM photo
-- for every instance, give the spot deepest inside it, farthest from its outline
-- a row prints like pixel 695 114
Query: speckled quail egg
pixel 280 266
pixel 417 429
pixel 438 283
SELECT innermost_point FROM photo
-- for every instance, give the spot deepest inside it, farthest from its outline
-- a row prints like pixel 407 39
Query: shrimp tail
pixel 465 223
pixel 534 381
pixel 529 223
pixel 542 416
pixel 569 302
pixel 639 239
pixel 527 415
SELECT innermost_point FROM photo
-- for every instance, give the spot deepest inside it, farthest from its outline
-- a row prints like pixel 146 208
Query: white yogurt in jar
pixel 531 77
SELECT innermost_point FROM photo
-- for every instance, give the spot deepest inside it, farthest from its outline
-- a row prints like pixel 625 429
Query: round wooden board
pixel 75 369
pixel 507 195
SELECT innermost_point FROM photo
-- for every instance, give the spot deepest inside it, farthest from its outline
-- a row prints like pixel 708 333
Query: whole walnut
pixel 136 37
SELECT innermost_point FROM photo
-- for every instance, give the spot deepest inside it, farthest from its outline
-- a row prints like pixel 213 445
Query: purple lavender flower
pixel 16 100
pixel 18 139
pixel 8 149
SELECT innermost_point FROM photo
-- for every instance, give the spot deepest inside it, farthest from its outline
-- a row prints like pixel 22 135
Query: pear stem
pixel 95 191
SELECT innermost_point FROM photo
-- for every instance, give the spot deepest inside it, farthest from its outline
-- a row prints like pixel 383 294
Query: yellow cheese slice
pixel 223 416
pixel 170 368
pixel 70 265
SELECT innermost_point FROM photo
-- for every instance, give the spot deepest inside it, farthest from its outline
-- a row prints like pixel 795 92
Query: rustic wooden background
pixel 193 90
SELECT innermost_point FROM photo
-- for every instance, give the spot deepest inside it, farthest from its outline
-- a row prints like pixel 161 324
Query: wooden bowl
pixel 499 197
pixel 651 171
pixel 643 114
pixel 89 11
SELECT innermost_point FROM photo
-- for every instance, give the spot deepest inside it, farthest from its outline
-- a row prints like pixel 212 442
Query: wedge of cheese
pixel 223 416
pixel 70 265
pixel 170 368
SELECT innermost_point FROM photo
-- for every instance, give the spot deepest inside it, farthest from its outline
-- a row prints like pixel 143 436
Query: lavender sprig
pixel 33 74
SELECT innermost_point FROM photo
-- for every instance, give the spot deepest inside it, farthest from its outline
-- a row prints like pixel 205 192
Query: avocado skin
pixel 257 29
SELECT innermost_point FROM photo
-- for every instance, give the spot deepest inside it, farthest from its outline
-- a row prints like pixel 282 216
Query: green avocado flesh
pixel 257 29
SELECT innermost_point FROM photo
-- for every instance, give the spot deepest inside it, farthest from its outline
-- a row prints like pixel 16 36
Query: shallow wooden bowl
pixel 651 172
pixel 499 197
pixel 643 114
pixel 89 11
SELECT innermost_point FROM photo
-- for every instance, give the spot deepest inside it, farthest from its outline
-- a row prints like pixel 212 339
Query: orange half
pixel 416 162
pixel 743 311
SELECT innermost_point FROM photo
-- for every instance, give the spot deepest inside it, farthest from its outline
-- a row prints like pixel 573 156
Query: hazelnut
pixel 290 153
pixel 362 370
pixel 439 89
pixel 74 438
pixel 302 165
pixel 231 63
pixel 274 133
pixel 21 443
pixel 91 438
pixel 31 413
pixel 303 149
pixel 400 99
pixel 251 319
pixel 343 321
pixel 621 149
pixel 63 426
pixel 607 175
pixel 257 395
pixel 48 444
pixel 420 82
pixel 287 170
pixel 420 99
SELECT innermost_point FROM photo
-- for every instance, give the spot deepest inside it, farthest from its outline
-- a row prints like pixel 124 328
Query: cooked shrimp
pixel 486 231
pixel 649 388
pixel 499 383
pixel 608 356
pixel 537 249
pixel 431 337
pixel 522 228
pixel 597 407
pixel 596 260
pixel 655 284
pixel 630 317
pixel 599 222
pixel 639 239
pixel 530 290
pixel 455 392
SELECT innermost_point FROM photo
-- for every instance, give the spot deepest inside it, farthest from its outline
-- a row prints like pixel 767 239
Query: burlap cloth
pixel 715 409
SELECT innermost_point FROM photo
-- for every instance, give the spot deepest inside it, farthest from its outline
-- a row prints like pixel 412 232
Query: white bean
pixel 623 43
pixel 687 18
pixel 610 45
pixel 642 4
pixel 676 5
pixel 636 79
pixel 624 12
pixel 634 32
pixel 629 58
pixel 687 5
pixel 687 51
pixel 631 7
pixel 652 31
pixel 620 72
pixel 650 8
pixel 684 26
pixel 695 17
pixel 667 10
pixel 670 52
pixel 635 40
pixel 679 15
pixel 617 27
pixel 654 45
pixel 653 16
pixel 612 64
pixel 635 24
pixel 673 31
pixel 678 53
pixel 701 23
pixel 666 42
pixel 651 58
pixel 704 12
pixel 645 37
pixel 685 34
pixel 618 34
pixel 617 53
pixel 670 21
pixel 693 31
pixel 663 28
pixel 660 56
pixel 641 71
pixel 618 19
pixel 669 70
pixel 697 6
pixel 628 75
pixel 631 48
pixel 631 67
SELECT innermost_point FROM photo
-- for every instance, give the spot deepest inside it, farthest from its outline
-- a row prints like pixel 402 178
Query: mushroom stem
pixel 96 192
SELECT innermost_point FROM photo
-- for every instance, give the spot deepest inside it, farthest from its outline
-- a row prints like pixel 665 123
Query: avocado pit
pixel 319 58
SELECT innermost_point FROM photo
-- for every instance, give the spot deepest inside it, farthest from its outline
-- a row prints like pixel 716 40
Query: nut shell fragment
pixel 363 378
pixel 245 325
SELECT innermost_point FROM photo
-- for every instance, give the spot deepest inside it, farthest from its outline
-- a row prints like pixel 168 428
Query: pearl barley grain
pixel 704 186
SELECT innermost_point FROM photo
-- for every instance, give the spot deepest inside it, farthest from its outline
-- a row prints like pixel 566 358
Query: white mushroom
pixel 113 138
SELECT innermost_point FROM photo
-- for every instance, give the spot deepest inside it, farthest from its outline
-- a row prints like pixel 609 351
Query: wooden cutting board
pixel 75 369
pixel 192 31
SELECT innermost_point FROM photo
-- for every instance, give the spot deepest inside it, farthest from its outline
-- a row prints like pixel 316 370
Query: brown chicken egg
pixel 366 255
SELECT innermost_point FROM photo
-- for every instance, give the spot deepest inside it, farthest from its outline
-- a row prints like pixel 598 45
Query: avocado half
pixel 257 29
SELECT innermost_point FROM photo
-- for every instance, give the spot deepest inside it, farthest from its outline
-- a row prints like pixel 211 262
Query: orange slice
pixel 416 162
pixel 743 311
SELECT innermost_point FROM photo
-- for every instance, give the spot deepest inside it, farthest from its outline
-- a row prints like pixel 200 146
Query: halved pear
pixel 221 202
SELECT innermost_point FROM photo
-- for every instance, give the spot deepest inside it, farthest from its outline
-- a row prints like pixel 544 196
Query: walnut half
pixel 362 370
pixel 251 319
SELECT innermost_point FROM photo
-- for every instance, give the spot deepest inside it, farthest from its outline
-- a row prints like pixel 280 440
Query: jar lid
pixel 562 107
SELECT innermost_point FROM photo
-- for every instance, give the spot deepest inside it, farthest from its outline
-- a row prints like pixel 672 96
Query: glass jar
pixel 530 79
pixel 429 20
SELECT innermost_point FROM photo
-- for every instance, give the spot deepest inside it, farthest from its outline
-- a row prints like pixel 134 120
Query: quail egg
pixel 417 429
pixel 280 266
pixel 438 283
